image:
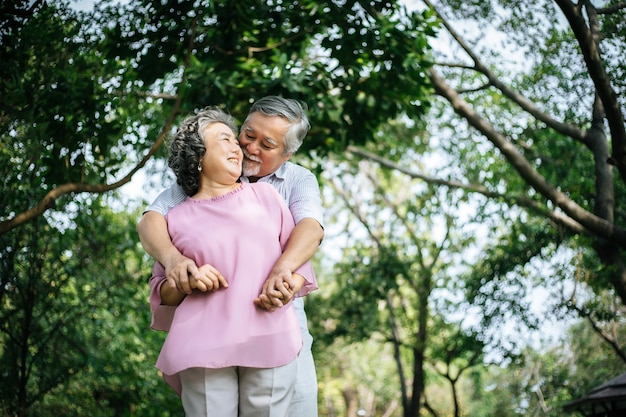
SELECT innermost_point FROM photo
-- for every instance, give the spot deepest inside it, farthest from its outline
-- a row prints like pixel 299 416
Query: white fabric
pixel 304 401
pixel 238 391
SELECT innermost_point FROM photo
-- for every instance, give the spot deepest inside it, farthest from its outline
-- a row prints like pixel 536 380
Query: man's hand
pixel 278 290
pixel 280 286
pixel 183 275
pixel 177 270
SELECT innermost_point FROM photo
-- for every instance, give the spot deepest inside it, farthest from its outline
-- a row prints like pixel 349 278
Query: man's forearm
pixel 155 238
pixel 302 245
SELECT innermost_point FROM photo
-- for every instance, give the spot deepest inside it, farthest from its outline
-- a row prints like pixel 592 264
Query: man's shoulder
pixel 292 169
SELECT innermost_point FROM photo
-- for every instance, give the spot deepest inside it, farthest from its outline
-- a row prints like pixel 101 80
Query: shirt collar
pixel 280 173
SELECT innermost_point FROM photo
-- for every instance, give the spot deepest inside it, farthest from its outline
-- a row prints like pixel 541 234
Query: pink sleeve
pixel 310 282
pixel 162 315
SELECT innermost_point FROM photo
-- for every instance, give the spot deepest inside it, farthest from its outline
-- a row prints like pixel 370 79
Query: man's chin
pixel 251 171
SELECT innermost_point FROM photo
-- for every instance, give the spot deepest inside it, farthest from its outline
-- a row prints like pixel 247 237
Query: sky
pixel 87 5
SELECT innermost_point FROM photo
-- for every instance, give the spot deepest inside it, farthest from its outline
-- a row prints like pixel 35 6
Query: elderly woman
pixel 223 354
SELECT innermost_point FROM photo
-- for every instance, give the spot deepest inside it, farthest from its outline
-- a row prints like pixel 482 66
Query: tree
pixel 574 115
pixel 89 98
pixel 539 134
pixel 522 157
pixel 74 319
pixel 394 271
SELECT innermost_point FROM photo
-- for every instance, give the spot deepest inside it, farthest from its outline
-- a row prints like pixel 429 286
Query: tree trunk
pixel 352 401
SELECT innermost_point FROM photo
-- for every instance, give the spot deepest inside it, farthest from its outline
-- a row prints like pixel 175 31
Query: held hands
pixel 183 275
pixel 279 289
pixel 210 279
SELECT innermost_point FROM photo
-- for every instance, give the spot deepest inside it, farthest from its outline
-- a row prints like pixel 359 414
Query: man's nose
pixel 251 147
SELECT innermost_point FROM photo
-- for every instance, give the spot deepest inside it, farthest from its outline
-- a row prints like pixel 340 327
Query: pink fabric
pixel 242 234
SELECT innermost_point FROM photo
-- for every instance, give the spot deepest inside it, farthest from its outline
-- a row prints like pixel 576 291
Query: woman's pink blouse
pixel 241 234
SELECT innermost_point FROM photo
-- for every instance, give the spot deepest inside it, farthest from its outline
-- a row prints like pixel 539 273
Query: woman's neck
pixel 215 190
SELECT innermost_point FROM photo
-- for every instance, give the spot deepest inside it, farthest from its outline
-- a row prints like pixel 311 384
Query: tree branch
pixel 251 50
pixel 591 54
pixel 596 225
pixel 612 9
pixel 521 201
pixel 49 199
pixel 395 338
pixel 596 328
pixel 563 128
pixel 409 228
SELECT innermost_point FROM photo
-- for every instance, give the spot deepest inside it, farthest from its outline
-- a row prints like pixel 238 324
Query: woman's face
pixel 223 158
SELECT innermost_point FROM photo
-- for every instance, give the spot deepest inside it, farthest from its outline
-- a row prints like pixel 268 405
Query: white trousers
pixel 304 400
pixel 238 391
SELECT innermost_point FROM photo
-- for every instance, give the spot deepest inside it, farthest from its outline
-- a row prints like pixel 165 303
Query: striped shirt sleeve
pixel 300 189
pixel 167 199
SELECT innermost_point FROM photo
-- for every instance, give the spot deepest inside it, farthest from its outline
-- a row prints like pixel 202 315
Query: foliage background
pixel 462 182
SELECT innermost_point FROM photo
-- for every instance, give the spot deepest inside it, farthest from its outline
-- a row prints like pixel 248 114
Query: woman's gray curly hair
pixel 187 147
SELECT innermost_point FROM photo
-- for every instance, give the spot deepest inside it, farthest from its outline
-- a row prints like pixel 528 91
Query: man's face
pixel 262 140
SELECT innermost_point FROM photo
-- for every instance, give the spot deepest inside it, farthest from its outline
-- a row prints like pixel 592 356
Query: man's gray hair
pixel 291 110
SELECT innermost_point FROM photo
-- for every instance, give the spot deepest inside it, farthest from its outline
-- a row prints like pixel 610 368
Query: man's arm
pixel 302 245
pixel 265 302
pixel 155 238
pixel 171 296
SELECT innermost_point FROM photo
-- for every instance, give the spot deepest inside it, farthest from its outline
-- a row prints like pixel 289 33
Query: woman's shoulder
pixel 265 190
pixel 263 187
